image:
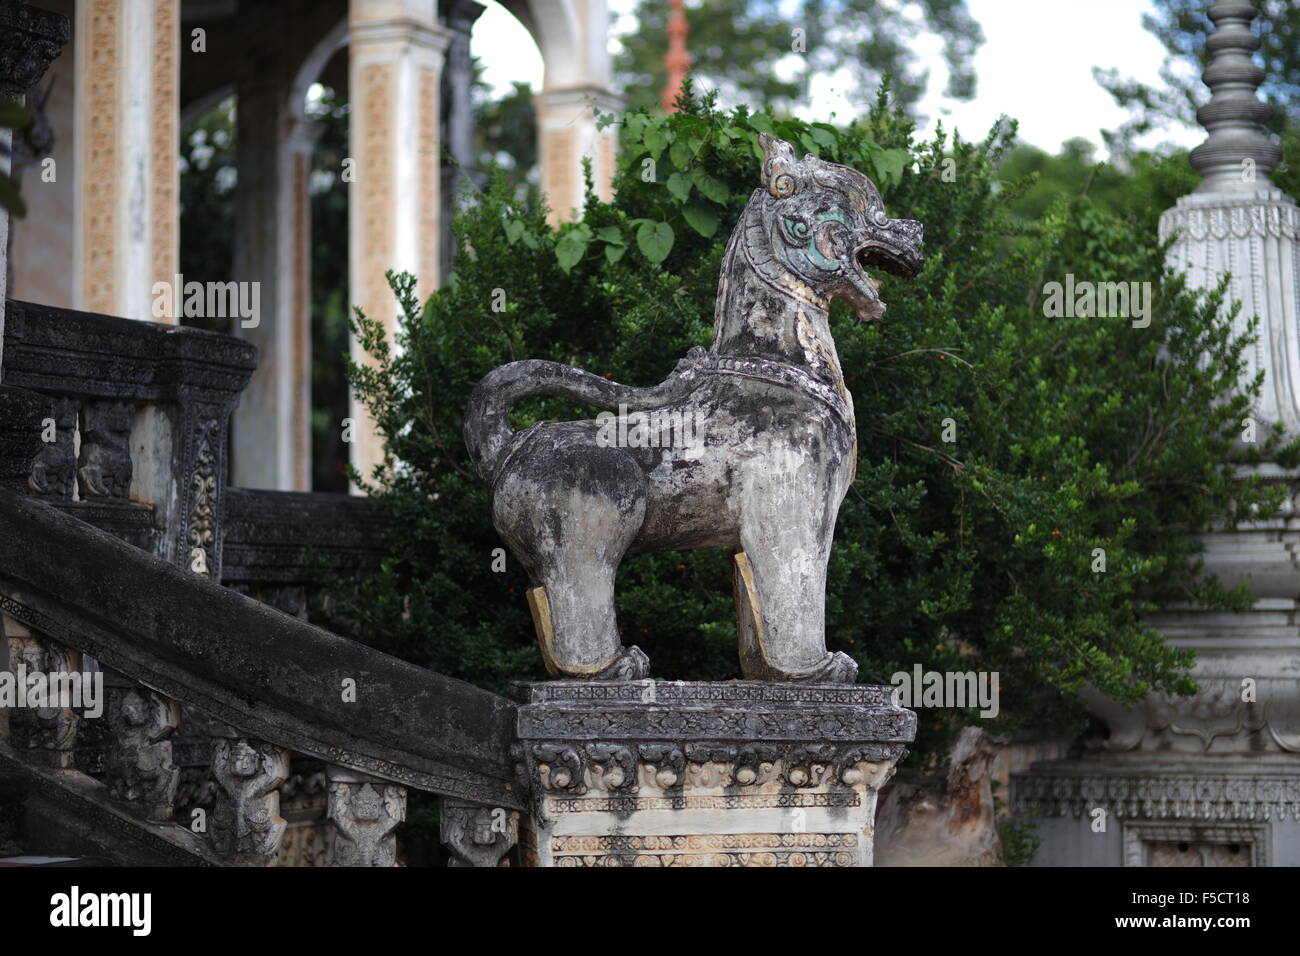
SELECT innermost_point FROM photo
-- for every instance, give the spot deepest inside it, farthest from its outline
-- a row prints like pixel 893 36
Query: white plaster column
pixel 127 147
pixel 567 132
pixel 578 85
pixel 271 434
pixel 395 69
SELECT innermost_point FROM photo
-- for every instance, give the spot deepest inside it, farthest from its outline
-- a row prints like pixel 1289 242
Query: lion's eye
pixel 795 230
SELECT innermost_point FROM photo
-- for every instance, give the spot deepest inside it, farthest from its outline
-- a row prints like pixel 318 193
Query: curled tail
pixel 487 416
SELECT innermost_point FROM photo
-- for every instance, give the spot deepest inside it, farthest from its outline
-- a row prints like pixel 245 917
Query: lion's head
pixel 826 223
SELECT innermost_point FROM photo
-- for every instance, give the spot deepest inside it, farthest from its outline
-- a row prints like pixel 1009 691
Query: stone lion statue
pixel 749 445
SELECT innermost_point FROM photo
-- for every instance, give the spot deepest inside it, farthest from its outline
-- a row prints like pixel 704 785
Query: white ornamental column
pixel 1212 779
pixel 128 146
pixel 573 36
pixel 1237 221
pixel 395 69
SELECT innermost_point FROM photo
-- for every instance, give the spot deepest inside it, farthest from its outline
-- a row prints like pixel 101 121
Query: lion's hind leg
pixel 570 513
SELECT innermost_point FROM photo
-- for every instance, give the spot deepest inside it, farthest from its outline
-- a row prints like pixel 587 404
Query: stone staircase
pixel 232 731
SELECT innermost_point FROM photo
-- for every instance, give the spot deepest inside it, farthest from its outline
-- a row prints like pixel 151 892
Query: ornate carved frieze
pixel 139 768
pixel 1214 719
pixel 54 469
pixel 366 811
pixel 246 825
pixel 735 710
pixel 105 463
pixel 666 769
pixel 88 355
pixel 639 773
pixel 714 849
pixel 1160 796
pixel 1232 220
pixel 476 835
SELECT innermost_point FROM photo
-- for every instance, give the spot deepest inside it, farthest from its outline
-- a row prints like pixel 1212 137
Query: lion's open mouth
pixel 893 259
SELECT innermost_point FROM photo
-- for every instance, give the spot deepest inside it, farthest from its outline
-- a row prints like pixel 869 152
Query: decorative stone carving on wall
pixel 476 835
pixel 1176 844
pixel 201 485
pixel 47 734
pixel 1208 795
pixel 54 469
pixel 644 773
pixel 139 768
pixel 246 824
pixel 304 802
pixel 366 811
pixel 1214 719
pixel 105 465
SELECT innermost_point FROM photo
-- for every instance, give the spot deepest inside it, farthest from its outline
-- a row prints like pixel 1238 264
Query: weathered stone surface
pixel 475 835
pixel 948 820
pixel 366 811
pixel 246 825
pixel 22 414
pixel 139 768
pixel 30 40
pixel 750 445
pixel 645 773
pixel 54 469
pixel 105 461
pixel 44 735
pixel 270 675
pixel 284 537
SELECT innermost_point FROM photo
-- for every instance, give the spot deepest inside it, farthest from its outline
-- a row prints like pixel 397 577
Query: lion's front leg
pixel 780 579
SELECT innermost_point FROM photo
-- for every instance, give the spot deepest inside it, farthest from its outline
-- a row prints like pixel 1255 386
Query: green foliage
pixel 736 46
pixel 1150 183
pixel 1020 839
pixel 12 117
pixel 1072 434
pixel 207 182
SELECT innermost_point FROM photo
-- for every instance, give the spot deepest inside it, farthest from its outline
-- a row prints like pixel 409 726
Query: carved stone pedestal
pixel 653 773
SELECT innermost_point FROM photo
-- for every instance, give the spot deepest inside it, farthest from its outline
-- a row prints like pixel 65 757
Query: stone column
pixel 30 39
pixel 395 68
pixel 271 435
pixel 646 773
pixel 566 132
pixel 127 143
pixel 578 85
pixel 458 119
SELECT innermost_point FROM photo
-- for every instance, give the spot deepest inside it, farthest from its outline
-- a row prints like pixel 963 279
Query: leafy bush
pixel 1072 434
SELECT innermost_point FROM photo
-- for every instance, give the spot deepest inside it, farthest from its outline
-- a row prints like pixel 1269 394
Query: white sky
pixel 1035 65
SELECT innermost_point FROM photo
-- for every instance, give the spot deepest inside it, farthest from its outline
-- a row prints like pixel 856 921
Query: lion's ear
pixel 778 173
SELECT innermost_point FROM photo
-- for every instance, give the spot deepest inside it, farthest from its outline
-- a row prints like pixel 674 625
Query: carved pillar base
pixel 366 811
pixel 648 773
